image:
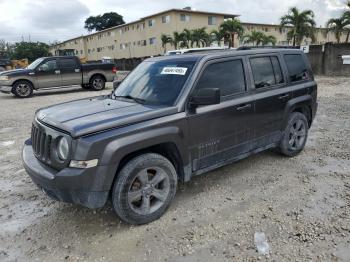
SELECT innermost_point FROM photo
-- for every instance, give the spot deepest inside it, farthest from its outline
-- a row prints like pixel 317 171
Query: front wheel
pixel 295 135
pixel 22 89
pixel 144 189
pixel 97 83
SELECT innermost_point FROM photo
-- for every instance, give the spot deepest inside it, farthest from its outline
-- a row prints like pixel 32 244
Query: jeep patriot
pixel 171 118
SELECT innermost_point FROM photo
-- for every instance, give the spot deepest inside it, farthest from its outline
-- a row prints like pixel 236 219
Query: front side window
pixel 262 72
pixel 296 67
pixel 48 66
pixel 228 76
pixel 155 83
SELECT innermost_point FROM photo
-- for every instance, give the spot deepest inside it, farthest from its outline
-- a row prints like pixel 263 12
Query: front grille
pixel 41 143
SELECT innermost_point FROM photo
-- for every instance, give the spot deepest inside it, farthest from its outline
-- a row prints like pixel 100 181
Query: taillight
pixel 114 69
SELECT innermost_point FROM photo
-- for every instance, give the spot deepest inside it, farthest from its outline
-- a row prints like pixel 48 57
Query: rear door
pixel 219 133
pixel 271 96
pixel 70 71
pixel 48 74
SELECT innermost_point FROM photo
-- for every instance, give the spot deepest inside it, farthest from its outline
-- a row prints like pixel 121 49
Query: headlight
pixel 4 78
pixel 63 148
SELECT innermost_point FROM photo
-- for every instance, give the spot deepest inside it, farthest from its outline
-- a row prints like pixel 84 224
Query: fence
pixel 327 59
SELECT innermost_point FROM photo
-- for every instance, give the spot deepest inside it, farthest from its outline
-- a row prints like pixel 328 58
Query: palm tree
pixel 177 39
pixel 338 26
pixel 268 39
pixel 218 35
pixel 232 27
pixel 302 23
pixel 186 38
pixel 166 39
pixel 346 16
pixel 199 36
pixel 254 38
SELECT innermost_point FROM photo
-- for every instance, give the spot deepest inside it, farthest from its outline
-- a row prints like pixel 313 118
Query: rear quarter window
pixel 297 68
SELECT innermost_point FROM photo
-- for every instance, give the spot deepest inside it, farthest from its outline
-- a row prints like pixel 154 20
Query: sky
pixel 52 20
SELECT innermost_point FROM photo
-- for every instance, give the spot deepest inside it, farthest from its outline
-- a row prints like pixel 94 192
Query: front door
pixel 220 133
pixel 48 74
pixel 70 71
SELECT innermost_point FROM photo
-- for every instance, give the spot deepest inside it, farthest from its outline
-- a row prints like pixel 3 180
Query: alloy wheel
pixel 297 135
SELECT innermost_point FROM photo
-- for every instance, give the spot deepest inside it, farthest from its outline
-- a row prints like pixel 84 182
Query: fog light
pixel 83 163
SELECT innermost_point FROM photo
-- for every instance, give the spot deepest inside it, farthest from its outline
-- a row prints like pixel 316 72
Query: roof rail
pixel 267 46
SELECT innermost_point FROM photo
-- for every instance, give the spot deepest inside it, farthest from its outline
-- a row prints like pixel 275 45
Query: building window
pixel 122 46
pixel 165 19
pixel 143 43
pixel 151 22
pixel 211 20
pixel 152 41
pixel 81 52
pixel 185 18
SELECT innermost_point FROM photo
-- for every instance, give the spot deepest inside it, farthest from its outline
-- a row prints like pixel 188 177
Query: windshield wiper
pixel 136 99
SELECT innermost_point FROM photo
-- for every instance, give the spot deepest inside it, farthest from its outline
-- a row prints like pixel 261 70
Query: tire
pixel 295 135
pixel 22 89
pixel 86 86
pixel 97 83
pixel 144 189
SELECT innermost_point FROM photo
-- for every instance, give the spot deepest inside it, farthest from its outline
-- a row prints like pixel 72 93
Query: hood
pixel 86 116
pixel 16 72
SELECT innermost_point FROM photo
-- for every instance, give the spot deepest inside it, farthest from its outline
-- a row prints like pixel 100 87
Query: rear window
pixel 296 67
pixel 266 71
pixel 68 63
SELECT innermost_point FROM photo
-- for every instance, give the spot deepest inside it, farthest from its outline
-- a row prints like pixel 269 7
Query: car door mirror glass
pixel 206 96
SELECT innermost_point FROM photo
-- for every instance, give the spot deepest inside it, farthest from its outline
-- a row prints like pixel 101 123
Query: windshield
pixel 35 63
pixel 156 83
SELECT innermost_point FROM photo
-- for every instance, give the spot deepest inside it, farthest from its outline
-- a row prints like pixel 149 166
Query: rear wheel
pixel 295 135
pixel 144 189
pixel 22 89
pixel 97 83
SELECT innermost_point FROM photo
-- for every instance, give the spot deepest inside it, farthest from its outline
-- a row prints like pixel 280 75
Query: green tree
pixel 231 28
pixel 218 35
pixel 30 50
pixel 255 38
pixel 338 26
pixel 101 22
pixel 302 23
pixel 199 37
pixel 166 39
pixel 269 40
pixel 186 38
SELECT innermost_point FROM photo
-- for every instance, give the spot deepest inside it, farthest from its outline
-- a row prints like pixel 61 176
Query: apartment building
pixel 141 38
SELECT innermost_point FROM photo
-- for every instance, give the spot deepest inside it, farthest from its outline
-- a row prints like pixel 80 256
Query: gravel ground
pixel 302 204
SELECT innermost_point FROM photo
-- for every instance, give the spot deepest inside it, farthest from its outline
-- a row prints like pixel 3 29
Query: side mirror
pixel 205 96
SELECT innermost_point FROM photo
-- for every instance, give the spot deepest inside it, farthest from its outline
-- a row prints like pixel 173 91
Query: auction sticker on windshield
pixel 174 71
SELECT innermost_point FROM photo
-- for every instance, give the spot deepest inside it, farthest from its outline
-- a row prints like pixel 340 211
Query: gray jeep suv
pixel 172 118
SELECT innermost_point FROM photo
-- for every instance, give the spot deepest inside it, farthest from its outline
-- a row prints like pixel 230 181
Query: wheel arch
pixel 26 80
pixel 301 104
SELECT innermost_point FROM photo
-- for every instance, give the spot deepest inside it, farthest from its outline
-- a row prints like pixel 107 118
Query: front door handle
pixel 283 96
pixel 57 72
pixel 243 107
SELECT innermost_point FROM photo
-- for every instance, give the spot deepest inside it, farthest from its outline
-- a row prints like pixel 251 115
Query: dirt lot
pixel 302 204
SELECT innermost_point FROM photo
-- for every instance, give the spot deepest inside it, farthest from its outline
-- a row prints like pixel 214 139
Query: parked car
pixel 4 63
pixel 57 71
pixel 172 118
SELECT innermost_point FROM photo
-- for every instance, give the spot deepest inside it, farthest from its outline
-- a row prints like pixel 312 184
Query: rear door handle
pixel 243 107
pixel 283 96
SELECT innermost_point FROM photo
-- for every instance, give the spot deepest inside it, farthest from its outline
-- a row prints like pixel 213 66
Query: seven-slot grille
pixel 41 143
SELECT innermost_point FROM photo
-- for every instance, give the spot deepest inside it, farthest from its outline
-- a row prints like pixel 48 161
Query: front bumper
pixel 6 89
pixel 86 187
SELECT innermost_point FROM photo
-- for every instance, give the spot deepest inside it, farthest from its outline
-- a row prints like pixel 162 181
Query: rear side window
pixel 296 67
pixel 266 71
pixel 68 63
pixel 227 76
pixel 262 72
